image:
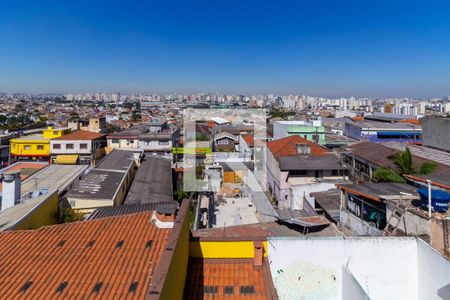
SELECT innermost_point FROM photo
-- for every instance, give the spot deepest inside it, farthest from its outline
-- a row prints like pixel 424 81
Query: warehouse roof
pixel 152 183
pixel 117 160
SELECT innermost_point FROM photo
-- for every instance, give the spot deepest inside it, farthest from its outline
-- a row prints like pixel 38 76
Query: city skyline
pixel 380 49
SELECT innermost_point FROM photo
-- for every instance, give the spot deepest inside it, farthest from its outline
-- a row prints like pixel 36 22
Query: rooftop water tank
pixel 439 199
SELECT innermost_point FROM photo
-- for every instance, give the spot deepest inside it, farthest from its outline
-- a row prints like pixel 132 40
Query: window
pixel 40 147
pixel 247 289
pixel 55 132
pixel 69 146
pixel 228 290
pixel 335 172
pixel 83 146
pixel 56 146
pixel 166 143
pixel 27 147
pixel 222 142
pixel 210 289
pixel 114 141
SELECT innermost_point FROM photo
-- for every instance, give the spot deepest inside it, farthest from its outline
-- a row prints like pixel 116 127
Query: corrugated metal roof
pixel 112 211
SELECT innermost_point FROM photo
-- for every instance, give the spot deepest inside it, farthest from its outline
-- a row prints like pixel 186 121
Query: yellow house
pixel 36 145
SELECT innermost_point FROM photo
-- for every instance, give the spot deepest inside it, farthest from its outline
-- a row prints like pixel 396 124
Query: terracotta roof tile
pixel 109 253
pixel 226 279
pixel 81 135
pixel 287 147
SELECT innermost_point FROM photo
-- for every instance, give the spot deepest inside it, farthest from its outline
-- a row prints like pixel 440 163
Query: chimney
pixel 11 189
pixel 163 218
pixel 258 254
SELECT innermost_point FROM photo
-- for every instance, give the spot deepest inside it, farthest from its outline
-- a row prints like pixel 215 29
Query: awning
pixel 69 159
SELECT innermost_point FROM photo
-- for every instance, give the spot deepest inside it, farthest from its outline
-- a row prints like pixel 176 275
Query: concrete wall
pixel 300 191
pixel 357 226
pixel 44 214
pixel 352 290
pixel 385 268
pixel 436 133
pixel 352 131
pixel 415 225
pixel 433 273
pixel 223 249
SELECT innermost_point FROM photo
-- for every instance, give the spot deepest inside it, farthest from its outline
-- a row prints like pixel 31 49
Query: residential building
pixel 312 131
pixel 364 158
pixel 363 206
pixel 127 139
pixel 159 142
pixel 225 142
pixel 78 147
pixel 69 255
pixel 157 125
pixel 156 139
pixel 35 146
pixel 296 167
pixel 97 125
pixel 108 183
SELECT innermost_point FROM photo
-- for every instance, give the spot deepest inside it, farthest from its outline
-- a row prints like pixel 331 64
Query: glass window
pixel 27 147
pixel 83 146
pixel 56 146
pixel 69 146
pixel 55 132
pixel 40 147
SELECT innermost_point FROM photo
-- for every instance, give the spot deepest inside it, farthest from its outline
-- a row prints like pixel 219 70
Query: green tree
pixel 405 166
pixel 135 116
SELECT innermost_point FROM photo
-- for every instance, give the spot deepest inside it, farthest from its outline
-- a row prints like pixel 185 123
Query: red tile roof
pixel 227 279
pixel 80 135
pixel 111 254
pixel 288 147
pixel 248 138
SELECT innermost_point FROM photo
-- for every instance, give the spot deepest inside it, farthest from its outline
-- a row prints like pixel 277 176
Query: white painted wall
pixel 386 268
pixel 433 272
pixel 352 290
pixel 76 147
pixel 304 190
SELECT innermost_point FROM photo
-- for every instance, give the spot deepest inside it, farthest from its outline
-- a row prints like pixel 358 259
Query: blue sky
pixel 324 48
